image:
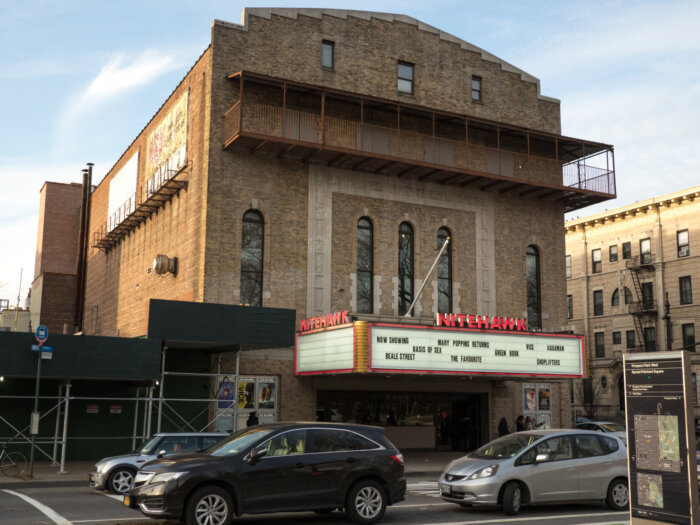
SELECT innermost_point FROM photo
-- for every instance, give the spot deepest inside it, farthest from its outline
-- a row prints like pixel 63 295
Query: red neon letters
pixel 482 322
pixel 324 321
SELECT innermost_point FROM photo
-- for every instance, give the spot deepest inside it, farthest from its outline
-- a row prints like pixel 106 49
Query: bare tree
pixel 588 394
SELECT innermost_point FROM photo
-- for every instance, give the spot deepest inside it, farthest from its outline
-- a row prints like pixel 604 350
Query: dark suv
pixel 276 468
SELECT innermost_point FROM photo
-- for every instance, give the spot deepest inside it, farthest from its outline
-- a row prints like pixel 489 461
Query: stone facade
pixel 660 220
pixel 311 211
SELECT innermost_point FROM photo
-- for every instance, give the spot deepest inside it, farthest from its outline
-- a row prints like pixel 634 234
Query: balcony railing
pixel 444 158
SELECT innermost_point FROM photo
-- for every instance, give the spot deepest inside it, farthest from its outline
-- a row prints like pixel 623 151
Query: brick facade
pixel 658 219
pixel 311 210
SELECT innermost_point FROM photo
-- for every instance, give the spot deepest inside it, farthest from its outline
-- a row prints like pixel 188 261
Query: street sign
pixel 46 352
pixel 42 334
pixel 36 348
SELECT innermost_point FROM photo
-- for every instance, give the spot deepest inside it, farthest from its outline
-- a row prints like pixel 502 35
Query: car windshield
pixel 149 445
pixel 238 441
pixel 612 427
pixel 506 446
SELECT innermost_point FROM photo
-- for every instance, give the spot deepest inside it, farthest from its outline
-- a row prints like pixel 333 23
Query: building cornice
pixel 638 208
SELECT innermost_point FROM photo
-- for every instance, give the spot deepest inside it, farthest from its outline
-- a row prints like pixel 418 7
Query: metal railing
pixel 273 121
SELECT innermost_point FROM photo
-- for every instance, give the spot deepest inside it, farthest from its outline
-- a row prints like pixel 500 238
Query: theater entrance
pixel 413 420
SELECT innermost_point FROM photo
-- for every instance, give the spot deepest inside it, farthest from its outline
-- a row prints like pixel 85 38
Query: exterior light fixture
pixel 163 264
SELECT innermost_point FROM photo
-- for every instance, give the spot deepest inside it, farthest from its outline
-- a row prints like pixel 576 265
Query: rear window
pixel 610 443
pixel 589 446
pixel 332 440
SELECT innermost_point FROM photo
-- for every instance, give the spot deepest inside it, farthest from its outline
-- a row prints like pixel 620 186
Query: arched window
pixel 616 297
pixel 365 265
pixel 252 258
pixel 628 296
pixel 444 272
pixel 405 267
pixel 532 285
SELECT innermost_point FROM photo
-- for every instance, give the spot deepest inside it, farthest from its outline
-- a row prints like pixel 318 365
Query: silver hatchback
pixel 540 466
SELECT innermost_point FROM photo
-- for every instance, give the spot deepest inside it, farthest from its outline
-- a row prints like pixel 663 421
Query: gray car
pixel 117 472
pixel 605 426
pixel 540 466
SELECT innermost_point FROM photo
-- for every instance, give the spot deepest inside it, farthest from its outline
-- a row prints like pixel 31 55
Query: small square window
pixel 686 287
pixel 568 266
pixel 613 253
pixel 626 250
pixel 683 243
pixel 597 260
pixel 328 54
pixel 476 89
pixel 617 338
pixel 405 74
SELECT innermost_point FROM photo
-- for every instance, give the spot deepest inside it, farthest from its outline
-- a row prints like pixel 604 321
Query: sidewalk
pixel 418 465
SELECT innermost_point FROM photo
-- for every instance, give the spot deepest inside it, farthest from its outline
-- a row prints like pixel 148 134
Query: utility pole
pixel 667 318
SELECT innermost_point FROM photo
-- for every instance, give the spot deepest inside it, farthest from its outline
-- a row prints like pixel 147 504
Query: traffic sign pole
pixel 41 335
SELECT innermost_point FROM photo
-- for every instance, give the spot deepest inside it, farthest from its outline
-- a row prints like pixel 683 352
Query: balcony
pixel 346 130
pixel 645 261
pixel 645 306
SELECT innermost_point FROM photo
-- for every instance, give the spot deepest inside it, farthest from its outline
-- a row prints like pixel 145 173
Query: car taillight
pixel 398 458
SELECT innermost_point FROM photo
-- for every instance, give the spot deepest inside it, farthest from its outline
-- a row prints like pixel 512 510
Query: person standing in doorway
pixel 503 427
pixel 252 419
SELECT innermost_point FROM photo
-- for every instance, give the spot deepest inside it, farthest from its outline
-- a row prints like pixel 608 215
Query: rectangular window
pixel 568 266
pixel 626 250
pixel 629 335
pixel 648 296
pixel 645 251
pixel 686 289
pixel 695 388
pixel 598 302
pixel 405 74
pixel 650 339
pixel 600 344
pixel 683 244
pixel 688 337
pixel 569 306
pixel 476 89
pixel 597 260
pixel 617 338
pixel 328 54
pixel 613 253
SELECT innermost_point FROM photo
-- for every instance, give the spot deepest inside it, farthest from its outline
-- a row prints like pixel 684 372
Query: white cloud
pixel 120 75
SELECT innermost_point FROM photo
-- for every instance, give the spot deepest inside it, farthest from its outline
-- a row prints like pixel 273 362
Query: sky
pixel 79 79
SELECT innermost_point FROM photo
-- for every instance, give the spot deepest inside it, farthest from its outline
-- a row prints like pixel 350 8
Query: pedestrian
pixel 528 424
pixel 519 423
pixel 503 427
pixel 252 419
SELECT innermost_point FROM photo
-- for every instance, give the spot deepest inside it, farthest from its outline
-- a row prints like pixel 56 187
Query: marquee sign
pixel 363 347
pixel 481 322
pixel 401 348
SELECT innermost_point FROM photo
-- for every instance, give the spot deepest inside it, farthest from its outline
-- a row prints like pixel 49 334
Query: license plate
pixel 446 491
pixel 127 501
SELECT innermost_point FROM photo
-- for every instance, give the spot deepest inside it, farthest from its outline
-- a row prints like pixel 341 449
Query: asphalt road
pixel 423 506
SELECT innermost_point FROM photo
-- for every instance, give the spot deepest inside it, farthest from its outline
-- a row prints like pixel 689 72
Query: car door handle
pixel 569 468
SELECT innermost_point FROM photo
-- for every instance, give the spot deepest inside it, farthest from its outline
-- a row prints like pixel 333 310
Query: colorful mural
pixel 167 146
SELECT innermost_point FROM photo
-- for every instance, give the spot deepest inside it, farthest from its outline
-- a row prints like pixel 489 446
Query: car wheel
pixel 120 480
pixel 618 495
pixel 209 506
pixel 366 502
pixel 512 499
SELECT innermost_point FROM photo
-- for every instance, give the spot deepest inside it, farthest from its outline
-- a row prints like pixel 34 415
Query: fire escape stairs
pixel 642 309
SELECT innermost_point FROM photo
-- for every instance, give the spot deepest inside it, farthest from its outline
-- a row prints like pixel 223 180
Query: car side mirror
pixel 255 455
pixel 162 453
pixel 541 458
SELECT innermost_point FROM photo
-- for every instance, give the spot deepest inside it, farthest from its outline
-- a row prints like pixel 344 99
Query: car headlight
pixel 166 476
pixel 485 472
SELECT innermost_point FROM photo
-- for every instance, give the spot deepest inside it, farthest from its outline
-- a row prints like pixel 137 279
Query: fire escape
pixel 644 308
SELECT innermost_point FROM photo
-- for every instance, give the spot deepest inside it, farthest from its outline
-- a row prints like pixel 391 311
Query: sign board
pixel 401 348
pixel 663 484
pixel 115 409
pixel 42 334
pixel 330 350
pixel 46 352
pixel 34 423
pixel 93 409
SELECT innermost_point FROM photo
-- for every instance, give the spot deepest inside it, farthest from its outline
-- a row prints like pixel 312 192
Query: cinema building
pixel 314 163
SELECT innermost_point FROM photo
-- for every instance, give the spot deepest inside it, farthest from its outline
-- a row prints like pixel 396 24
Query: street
pixel 82 505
